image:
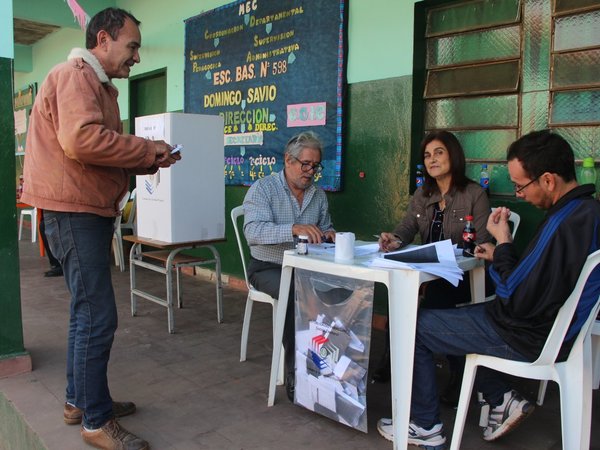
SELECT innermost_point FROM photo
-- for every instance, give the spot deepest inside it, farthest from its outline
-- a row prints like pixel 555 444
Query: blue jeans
pixel 456 331
pixel 81 242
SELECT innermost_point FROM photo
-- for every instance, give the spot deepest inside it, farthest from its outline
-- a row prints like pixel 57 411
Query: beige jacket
pixel 76 157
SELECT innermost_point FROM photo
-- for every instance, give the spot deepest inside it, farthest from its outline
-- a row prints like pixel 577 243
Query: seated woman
pixel 436 212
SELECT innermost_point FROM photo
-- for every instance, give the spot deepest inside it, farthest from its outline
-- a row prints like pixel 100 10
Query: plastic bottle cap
pixel 469 217
pixel 588 162
pixel 484 166
pixel 420 166
pixel 303 237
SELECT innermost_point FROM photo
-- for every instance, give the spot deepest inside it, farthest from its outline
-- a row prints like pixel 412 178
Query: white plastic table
pixel 403 290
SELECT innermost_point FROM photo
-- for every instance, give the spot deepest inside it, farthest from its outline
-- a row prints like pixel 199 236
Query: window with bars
pixel 493 70
pixel 575 75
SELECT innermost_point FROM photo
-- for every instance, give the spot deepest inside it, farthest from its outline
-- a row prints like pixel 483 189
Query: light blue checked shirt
pixel 270 211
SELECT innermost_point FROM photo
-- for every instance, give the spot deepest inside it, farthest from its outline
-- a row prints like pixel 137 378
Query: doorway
pixel 147 95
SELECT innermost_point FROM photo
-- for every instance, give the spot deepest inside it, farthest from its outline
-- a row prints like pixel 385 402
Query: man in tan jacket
pixel 77 168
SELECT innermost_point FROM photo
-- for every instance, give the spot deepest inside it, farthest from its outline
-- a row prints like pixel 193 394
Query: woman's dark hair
pixel 110 20
pixel 457 161
pixel 544 151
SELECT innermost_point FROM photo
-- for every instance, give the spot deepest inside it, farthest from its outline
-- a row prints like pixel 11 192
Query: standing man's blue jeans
pixel 456 331
pixel 81 242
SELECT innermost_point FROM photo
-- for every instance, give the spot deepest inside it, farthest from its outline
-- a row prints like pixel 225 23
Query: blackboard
pixel 271 68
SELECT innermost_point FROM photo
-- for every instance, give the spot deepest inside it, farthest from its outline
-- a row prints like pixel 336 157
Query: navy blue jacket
pixel 530 290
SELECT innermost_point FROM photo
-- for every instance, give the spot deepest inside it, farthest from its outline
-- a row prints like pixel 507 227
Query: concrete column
pixel 13 357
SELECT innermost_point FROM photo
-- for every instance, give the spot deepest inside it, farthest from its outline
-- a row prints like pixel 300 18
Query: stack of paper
pixel 437 258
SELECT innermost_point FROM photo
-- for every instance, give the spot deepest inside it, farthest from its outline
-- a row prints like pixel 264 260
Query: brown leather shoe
pixel 113 436
pixel 73 415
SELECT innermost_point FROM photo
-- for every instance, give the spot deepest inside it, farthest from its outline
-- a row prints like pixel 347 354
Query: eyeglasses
pixel 307 167
pixel 519 188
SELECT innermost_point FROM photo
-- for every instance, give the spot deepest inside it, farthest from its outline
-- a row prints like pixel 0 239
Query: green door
pixel 147 95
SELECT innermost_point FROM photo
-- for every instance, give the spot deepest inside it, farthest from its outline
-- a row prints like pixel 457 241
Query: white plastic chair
pixel 596 354
pixel 118 237
pixel 515 219
pixel 32 213
pixel 254 295
pixel 129 224
pixel 574 376
pixel 595 364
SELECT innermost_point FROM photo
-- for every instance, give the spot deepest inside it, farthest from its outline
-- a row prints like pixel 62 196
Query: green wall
pixel 53 12
pixel 377 143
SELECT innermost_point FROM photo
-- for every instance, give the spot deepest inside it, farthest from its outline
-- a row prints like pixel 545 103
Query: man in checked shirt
pixel 279 208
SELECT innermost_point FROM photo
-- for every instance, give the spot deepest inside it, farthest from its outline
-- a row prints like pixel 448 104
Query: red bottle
pixel 469 237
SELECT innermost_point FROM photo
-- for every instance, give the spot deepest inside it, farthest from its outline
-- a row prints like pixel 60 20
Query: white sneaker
pixel 507 416
pixel 386 429
pixel 433 438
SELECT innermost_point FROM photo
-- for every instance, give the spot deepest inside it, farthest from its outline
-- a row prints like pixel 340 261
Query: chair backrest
pixel 235 214
pixel 567 311
pixel 515 219
pixel 122 204
pixel 130 222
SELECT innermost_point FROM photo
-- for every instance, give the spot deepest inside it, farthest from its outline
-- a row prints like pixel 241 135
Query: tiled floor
pixel 191 390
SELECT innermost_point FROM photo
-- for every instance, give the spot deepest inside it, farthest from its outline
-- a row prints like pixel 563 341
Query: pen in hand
pixel 477 247
pixel 397 241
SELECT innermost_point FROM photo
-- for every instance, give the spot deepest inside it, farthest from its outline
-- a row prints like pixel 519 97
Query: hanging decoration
pixel 78 13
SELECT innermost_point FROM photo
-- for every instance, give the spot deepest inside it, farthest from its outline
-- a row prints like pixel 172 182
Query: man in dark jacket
pixel 530 290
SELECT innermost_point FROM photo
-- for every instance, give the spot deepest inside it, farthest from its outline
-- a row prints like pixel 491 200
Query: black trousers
pixel 53 261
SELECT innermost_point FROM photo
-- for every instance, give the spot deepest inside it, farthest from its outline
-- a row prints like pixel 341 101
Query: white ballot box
pixel 185 202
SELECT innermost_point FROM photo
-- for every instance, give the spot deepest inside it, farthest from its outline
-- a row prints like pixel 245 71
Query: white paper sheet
pixel 366 249
pixel 437 258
